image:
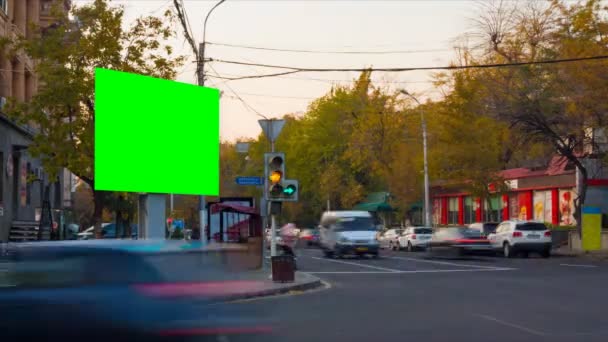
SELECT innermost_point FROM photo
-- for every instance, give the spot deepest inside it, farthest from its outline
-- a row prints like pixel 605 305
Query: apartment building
pixel 21 198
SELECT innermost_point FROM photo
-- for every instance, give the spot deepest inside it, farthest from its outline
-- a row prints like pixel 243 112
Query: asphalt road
pixel 407 297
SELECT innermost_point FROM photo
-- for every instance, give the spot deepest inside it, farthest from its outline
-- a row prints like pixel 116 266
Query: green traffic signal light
pixel 290 190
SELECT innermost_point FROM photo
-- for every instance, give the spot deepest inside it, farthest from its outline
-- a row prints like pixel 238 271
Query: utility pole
pixel 427 198
pixel 202 207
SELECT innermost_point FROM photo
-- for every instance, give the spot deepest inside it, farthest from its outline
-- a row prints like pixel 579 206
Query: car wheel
pixel 506 250
pixel 328 254
pixel 546 253
pixel 410 248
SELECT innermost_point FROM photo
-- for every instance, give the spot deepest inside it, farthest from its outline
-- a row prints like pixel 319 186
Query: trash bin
pixel 283 268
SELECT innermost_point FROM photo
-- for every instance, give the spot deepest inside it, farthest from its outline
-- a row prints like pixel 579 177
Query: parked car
pixel 415 238
pixel 389 239
pixel 486 228
pixel 108 231
pixel 348 232
pixel 459 240
pixel 93 291
pixel 310 237
pixel 521 237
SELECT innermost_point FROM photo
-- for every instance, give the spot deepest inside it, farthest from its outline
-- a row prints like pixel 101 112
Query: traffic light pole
pixel 273 217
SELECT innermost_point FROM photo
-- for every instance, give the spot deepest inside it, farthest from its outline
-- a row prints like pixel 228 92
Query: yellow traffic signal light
pixel 275 177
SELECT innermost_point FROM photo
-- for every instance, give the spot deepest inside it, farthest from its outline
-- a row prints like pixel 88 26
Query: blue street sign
pixel 250 180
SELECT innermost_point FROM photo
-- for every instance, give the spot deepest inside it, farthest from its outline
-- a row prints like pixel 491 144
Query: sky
pixel 424 32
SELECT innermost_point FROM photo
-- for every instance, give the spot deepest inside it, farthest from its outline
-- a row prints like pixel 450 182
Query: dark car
pixel 459 240
pixel 310 237
pixel 71 292
pixel 486 228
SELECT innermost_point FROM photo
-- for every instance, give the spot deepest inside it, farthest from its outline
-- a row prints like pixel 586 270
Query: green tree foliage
pixel 66 55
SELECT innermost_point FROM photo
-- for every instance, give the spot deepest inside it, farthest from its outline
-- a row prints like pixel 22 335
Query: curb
pixel 307 286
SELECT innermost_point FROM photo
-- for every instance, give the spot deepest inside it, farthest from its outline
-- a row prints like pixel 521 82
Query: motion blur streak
pixel 217 288
pixel 217 331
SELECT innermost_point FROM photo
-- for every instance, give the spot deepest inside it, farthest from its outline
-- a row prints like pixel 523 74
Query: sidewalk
pixel 565 251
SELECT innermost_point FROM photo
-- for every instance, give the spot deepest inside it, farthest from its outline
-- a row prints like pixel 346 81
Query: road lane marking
pixel 513 325
pixel 443 263
pixel 573 265
pixel 417 271
pixel 357 264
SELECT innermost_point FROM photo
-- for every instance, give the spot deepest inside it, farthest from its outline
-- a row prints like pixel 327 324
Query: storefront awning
pixel 378 206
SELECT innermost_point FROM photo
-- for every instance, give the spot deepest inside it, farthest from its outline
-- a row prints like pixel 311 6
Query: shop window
pixel 453 210
pixel 469 211
pixel 493 210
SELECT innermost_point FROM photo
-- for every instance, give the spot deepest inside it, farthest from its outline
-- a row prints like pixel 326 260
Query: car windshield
pixel 423 231
pixel 355 224
pixel 489 227
pixel 531 227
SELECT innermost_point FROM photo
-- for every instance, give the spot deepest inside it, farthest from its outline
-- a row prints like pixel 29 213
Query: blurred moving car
pixel 108 231
pixel 114 295
pixel 486 228
pixel 461 240
pixel 390 238
pixel 348 232
pixel 522 237
pixel 414 238
pixel 310 237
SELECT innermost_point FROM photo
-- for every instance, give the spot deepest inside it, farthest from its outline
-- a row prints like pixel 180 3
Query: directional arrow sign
pixel 250 180
pixel 290 190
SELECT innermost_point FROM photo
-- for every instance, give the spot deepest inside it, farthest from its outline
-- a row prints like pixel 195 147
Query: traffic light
pixel 290 190
pixel 274 172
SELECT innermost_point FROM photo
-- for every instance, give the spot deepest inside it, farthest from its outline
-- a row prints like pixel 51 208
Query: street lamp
pixel 427 199
pixel 201 81
pixel 201 73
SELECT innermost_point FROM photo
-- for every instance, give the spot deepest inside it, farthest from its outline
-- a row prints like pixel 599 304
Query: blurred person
pixel 289 238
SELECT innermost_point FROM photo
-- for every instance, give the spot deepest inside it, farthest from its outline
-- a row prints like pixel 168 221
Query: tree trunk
pixel 579 202
pixel 97 212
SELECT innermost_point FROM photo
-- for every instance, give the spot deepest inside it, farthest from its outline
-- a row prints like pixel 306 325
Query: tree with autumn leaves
pixel 360 138
pixel 66 54
pixel 363 138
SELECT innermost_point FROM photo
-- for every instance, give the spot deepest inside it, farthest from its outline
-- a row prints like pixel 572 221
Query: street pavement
pixel 409 297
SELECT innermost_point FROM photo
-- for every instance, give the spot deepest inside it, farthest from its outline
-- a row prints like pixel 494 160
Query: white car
pixel 389 239
pixel 514 237
pixel 415 238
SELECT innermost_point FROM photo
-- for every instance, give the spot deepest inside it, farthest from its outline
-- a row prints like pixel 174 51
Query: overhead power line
pixel 402 69
pixel 386 52
pixel 324 80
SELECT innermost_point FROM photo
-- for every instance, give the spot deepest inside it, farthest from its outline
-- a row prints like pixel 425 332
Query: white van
pixel 348 232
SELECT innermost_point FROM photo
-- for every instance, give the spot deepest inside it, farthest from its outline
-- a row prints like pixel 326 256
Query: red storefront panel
pixel 444 210
pixel 460 209
pixel 505 207
pixel 478 210
pixel 555 206
pixel 525 205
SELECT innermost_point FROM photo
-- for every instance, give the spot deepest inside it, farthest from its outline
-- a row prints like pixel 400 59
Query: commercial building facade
pixel 22 178
pixel 545 194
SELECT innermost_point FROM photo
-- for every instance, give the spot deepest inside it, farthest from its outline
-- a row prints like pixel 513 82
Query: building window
pixel 469 211
pixel 453 210
pixel 493 209
pixel 4 6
